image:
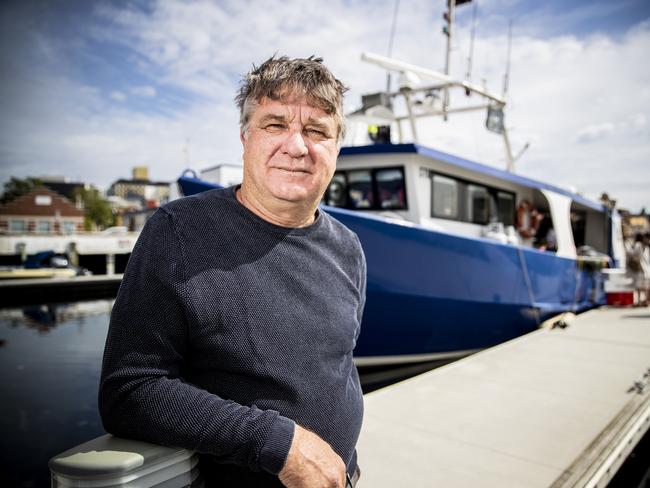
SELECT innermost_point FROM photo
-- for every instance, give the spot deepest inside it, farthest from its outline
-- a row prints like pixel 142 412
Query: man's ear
pixel 242 137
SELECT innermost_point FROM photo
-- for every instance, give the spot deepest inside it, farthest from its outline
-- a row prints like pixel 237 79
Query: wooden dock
pixel 554 408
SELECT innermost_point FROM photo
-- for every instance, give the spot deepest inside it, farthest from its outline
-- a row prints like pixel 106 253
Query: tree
pixel 97 211
pixel 16 187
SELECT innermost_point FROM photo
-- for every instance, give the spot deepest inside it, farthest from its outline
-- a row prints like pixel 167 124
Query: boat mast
pixel 510 161
pixel 470 57
pixel 379 106
pixel 448 31
pixel 390 42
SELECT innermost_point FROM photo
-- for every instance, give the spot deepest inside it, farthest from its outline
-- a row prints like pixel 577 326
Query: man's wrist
pixel 275 450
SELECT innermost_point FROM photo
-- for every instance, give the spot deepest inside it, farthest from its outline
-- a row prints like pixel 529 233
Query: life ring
pixel 527 219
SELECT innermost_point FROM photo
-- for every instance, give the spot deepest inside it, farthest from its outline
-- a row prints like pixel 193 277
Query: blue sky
pixel 91 89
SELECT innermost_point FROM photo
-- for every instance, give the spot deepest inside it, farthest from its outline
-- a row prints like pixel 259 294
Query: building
pixel 134 221
pixel 63 186
pixel 224 174
pixel 140 188
pixel 639 224
pixel 41 211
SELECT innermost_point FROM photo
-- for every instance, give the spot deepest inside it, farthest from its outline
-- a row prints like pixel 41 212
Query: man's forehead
pixel 292 108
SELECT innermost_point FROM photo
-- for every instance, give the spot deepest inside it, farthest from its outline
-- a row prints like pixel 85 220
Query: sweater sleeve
pixel 142 392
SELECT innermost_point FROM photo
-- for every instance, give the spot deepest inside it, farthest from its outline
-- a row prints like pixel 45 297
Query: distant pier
pixel 26 292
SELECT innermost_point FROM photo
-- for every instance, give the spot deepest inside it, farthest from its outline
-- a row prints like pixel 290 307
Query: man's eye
pixel 274 126
pixel 316 132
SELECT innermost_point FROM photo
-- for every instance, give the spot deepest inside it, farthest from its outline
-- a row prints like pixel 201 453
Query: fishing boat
pixel 461 255
pixel 449 271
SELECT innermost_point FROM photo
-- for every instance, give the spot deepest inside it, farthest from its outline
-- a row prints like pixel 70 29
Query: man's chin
pixel 294 194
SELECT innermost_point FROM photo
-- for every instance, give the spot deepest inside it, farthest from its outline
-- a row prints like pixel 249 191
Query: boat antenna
pixel 520 153
pixel 468 76
pixel 390 42
pixel 506 76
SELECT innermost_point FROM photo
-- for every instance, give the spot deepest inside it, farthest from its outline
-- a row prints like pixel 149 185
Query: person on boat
pixel 545 238
pixel 233 330
pixel 637 269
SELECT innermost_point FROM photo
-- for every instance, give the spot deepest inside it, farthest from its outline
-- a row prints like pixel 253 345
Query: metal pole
pixel 390 42
pixel 407 97
pixel 506 76
pixel 445 103
pixel 110 264
pixel 510 163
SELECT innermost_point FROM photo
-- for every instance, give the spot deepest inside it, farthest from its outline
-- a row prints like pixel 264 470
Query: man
pixel 233 330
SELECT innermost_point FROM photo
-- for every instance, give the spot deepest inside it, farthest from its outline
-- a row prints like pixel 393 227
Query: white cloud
pixel 145 91
pixel 118 96
pixel 564 90
pixel 596 132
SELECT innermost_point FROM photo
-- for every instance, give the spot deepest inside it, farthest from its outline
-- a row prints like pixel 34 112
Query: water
pixel 50 361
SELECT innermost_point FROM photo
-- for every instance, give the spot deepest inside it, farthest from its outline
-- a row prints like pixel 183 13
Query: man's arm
pixel 142 393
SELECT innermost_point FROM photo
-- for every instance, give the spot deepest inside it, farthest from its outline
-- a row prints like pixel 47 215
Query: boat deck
pixel 557 407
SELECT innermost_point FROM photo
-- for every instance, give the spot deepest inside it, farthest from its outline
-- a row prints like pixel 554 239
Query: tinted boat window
pixel 506 208
pixel 368 189
pixel 337 191
pixel 360 189
pixel 445 197
pixel 477 204
pixel 467 201
pixel 390 188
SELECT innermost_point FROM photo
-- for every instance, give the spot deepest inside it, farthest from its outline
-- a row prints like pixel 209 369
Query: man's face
pixel 290 152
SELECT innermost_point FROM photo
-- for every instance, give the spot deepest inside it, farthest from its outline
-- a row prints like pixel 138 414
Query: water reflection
pixel 50 363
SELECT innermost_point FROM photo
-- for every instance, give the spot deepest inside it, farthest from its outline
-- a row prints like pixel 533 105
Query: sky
pixel 89 90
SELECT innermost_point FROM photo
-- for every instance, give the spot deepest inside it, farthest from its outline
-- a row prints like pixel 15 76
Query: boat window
pixel 467 201
pixel 390 188
pixel 360 189
pixel 445 197
pixel 368 189
pixel 578 227
pixel 337 192
pixel 505 208
pixel 478 204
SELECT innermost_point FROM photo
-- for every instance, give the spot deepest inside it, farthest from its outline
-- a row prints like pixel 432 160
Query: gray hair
pixel 285 79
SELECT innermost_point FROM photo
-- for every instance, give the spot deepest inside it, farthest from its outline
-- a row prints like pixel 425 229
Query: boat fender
pixel 528 219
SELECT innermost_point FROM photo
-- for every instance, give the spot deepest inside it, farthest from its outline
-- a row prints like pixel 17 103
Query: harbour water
pixel 50 361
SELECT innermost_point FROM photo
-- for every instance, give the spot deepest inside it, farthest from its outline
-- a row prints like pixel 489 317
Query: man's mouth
pixel 294 170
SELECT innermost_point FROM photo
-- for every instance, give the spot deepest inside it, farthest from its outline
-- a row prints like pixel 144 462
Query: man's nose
pixel 294 145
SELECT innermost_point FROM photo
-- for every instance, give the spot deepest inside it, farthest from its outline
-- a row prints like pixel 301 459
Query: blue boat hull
pixel 431 293
pixel 434 295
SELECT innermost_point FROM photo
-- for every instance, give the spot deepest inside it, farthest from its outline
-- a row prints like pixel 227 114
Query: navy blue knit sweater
pixel 227 329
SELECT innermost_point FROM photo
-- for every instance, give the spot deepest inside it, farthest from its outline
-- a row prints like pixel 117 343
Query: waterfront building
pixel 134 220
pixel 639 224
pixel 141 189
pixel 63 186
pixel 41 211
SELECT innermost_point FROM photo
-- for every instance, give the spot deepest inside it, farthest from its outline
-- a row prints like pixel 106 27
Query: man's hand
pixel 312 463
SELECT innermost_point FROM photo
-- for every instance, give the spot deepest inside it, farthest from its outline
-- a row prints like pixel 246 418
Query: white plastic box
pixel 109 461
